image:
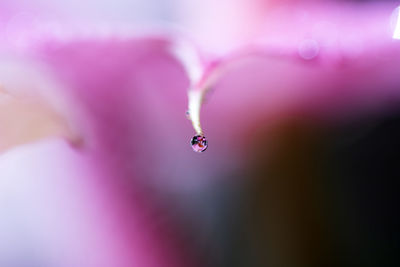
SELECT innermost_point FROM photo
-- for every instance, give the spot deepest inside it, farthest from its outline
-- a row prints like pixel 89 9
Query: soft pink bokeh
pixel 108 202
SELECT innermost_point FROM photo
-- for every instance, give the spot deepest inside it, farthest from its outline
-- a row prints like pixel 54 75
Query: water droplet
pixel 187 114
pixel 199 143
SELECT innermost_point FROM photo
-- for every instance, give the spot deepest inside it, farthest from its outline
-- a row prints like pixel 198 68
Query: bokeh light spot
pixel 308 49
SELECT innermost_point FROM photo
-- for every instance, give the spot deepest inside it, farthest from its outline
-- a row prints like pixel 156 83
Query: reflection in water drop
pixel 187 113
pixel 199 143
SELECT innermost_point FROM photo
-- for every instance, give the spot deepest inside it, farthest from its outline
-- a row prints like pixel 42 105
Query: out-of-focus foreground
pixel 303 125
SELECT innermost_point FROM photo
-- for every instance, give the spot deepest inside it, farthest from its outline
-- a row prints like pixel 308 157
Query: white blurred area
pixel 24 22
pixel 215 25
pixel 44 188
pixel 104 10
pixel 396 23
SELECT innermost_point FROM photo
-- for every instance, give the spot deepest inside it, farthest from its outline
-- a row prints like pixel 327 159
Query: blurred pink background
pixel 96 167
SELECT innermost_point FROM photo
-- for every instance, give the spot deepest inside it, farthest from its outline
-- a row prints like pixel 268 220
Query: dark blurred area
pixel 316 194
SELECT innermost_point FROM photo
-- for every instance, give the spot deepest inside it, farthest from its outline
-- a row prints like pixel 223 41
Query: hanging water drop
pixel 188 115
pixel 199 143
